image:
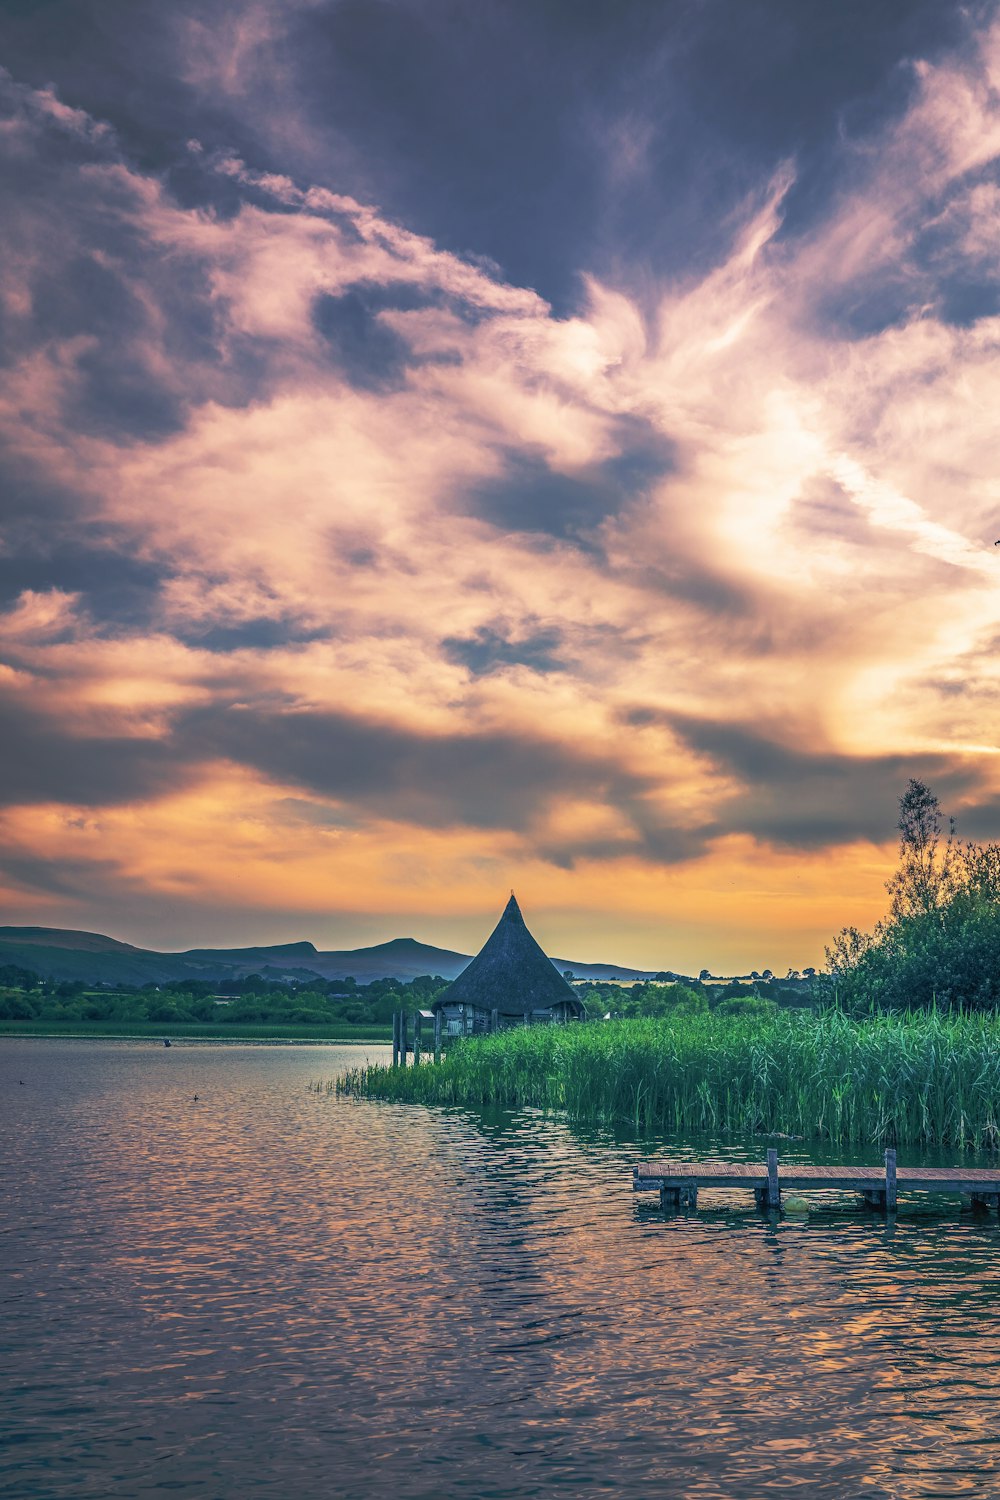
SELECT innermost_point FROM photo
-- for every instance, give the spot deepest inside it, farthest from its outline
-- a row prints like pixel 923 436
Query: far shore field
pixel 194 1031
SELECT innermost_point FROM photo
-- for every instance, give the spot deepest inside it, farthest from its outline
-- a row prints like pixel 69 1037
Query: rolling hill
pixel 58 953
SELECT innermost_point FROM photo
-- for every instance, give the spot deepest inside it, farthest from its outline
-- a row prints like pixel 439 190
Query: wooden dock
pixel 677 1182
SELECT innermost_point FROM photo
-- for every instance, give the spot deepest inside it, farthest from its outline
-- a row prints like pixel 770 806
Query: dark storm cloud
pixel 541 111
pixel 933 275
pixel 117 398
pixel 363 346
pixel 978 819
pixel 481 780
pixel 808 799
pixel 400 296
pixel 117 59
pixel 262 634
pixel 487 780
pixel 961 287
pixel 488 651
pixel 135 327
pixel 43 761
pixel 48 543
pixel 548 136
pixel 57 877
pixel 691 580
pixel 865 306
pixel 649 838
pixel 531 496
pixel 117 589
pixel 33 506
pixel 371 355
pixel 964 302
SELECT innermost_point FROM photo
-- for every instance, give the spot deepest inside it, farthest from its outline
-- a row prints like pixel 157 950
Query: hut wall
pixel 464 1020
pixel 459 1018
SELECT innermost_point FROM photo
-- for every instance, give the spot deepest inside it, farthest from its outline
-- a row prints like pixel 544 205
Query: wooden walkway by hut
pixel 678 1182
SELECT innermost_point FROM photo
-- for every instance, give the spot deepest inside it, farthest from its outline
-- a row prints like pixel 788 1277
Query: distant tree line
pixel 254 998
pixel 261 999
pixel 688 997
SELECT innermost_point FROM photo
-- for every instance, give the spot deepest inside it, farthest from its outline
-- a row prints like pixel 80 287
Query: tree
pixel 926 875
pixel 940 942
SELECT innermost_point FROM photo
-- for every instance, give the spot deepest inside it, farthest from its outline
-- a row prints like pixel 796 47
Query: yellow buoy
pixel 793 1204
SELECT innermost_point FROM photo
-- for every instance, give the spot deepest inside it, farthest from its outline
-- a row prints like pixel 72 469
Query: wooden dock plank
pixel 649 1176
pixel 706 1170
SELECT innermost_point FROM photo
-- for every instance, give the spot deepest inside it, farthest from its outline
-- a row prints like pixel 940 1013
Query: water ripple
pixel 269 1291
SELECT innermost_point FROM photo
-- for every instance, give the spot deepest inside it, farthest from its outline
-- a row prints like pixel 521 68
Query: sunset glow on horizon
pixel 450 449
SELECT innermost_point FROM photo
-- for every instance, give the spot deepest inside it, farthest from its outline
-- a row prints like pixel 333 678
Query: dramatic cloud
pixel 360 558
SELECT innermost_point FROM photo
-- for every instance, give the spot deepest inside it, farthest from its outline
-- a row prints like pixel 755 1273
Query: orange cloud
pixel 649 608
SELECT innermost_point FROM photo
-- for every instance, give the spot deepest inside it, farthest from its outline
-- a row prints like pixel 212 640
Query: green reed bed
pixel 920 1078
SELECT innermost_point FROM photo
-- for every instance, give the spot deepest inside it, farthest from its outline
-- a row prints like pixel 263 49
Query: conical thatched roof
pixel 510 973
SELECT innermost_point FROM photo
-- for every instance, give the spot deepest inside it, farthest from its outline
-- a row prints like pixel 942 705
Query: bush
pixel 746 1005
pixel 16 1006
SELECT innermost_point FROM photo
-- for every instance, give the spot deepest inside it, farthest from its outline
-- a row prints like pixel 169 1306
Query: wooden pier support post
pixel 437 1036
pixel 675 1196
pixel 494 1019
pixel 890 1180
pixel 404 1041
pixel 395 1038
pixel 418 1022
pixel 773 1192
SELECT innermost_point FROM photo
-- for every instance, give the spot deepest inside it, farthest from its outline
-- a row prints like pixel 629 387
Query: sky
pixel 449 448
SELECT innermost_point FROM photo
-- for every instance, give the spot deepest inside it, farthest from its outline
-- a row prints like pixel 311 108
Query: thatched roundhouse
pixel 510 982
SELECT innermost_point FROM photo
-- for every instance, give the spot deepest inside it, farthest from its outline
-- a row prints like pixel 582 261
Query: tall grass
pixel 918 1078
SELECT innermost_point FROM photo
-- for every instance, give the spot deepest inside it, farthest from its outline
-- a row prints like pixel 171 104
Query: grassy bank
pixel 208 1030
pixel 920 1078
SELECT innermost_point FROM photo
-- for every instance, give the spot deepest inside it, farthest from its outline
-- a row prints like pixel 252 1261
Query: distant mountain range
pixel 57 953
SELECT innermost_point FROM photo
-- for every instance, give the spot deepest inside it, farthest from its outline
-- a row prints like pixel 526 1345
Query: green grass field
pixel 208 1030
pixel 919 1078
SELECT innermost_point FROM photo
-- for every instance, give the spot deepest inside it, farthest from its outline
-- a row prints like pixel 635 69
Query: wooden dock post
pixel 773 1191
pixel 404 1041
pixel 890 1180
pixel 437 1036
pixel 395 1038
pixel 494 1019
pixel 418 1026
pixel 674 1198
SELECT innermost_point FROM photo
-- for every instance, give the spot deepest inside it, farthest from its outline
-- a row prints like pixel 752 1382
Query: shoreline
pixel 179 1039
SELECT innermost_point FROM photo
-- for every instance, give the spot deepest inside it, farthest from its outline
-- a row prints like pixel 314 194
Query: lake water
pixel 270 1292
